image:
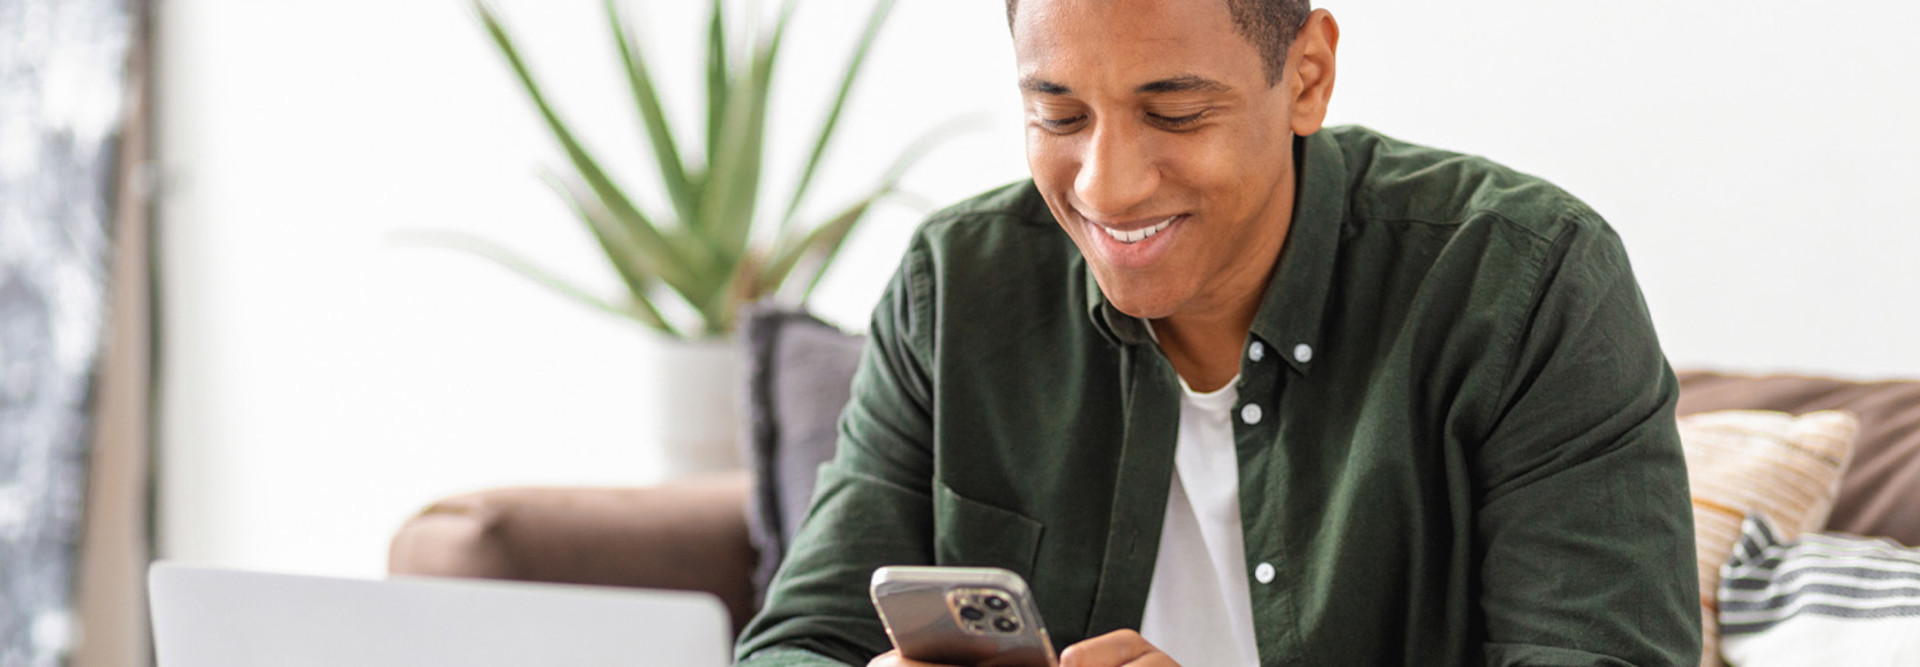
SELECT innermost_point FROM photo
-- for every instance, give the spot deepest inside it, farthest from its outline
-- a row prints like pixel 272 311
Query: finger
pixel 893 659
pixel 1115 649
pixel 1154 659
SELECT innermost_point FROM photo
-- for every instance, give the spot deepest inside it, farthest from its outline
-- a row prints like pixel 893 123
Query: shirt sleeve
pixel 1584 528
pixel 872 505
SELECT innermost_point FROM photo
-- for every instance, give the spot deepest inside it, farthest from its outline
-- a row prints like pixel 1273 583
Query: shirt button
pixel 1263 573
pixel 1250 413
pixel 1256 351
pixel 1303 353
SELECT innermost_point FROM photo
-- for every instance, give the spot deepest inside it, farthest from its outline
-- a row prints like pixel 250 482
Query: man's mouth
pixel 1140 234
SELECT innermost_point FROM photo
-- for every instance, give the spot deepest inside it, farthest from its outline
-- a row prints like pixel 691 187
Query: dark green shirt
pixel 1466 452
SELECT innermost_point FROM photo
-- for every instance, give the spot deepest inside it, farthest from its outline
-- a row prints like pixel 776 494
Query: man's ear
pixel 1310 69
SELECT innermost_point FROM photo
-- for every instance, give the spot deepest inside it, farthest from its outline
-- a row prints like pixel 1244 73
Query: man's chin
pixel 1133 303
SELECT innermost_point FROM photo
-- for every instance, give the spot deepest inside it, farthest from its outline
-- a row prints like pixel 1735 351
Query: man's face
pixel 1160 147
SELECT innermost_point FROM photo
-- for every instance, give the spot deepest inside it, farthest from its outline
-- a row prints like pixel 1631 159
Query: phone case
pixel 965 616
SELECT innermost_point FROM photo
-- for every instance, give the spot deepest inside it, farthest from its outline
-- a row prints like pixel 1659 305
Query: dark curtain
pixel 62 92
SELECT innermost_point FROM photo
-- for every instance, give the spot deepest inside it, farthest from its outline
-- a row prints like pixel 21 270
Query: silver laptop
pixel 224 618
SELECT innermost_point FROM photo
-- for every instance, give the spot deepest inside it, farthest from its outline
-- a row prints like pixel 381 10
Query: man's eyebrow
pixel 1031 84
pixel 1185 83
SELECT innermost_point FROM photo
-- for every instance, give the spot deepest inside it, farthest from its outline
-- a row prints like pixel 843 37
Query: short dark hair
pixel 1267 24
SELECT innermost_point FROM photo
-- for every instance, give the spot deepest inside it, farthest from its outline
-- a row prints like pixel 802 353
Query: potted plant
pixel 689 269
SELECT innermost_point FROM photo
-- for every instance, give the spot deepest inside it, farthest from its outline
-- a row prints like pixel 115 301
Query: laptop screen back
pixel 224 618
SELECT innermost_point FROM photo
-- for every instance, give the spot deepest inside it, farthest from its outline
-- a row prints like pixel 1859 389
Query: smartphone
pixel 963 616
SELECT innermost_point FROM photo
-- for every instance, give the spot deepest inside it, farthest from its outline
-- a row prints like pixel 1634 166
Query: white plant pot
pixel 694 388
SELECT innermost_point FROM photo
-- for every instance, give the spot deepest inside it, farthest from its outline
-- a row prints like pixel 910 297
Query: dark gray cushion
pixel 799 375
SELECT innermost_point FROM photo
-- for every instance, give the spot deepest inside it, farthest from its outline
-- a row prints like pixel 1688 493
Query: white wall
pixel 1757 157
pixel 322 383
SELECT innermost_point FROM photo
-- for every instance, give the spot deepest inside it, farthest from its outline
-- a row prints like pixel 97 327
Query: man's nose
pixel 1117 173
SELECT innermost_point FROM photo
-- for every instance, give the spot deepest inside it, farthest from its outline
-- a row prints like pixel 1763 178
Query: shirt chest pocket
pixel 975 534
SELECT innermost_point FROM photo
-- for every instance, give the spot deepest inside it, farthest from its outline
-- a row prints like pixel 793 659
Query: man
pixel 1229 389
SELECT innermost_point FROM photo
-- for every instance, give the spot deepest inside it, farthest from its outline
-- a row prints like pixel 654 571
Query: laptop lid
pixel 205 617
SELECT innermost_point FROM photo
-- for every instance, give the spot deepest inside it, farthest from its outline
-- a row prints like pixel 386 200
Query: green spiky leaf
pixel 641 310
pixel 875 19
pixel 646 98
pixel 718 77
pixel 706 253
pixel 673 261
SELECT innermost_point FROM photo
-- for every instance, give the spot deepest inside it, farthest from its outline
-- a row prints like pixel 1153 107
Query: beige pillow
pixel 1771 463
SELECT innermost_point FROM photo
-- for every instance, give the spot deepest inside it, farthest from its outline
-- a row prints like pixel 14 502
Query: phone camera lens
pixel 996 603
pixel 1005 624
pixel 972 613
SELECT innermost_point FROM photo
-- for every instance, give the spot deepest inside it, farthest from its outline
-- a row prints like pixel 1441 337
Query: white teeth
pixel 1137 235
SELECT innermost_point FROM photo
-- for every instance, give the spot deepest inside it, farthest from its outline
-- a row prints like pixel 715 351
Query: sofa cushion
pixel 685 534
pixel 1742 462
pixel 799 377
pixel 1877 491
pixel 1823 600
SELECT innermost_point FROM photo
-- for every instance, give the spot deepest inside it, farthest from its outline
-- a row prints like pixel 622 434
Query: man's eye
pixel 1177 122
pixel 1062 124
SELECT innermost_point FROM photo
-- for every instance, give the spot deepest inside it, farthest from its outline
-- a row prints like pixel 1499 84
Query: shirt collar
pixel 1290 312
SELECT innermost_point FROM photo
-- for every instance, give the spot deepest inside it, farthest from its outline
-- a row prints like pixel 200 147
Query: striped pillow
pixel 1824 600
pixel 1744 461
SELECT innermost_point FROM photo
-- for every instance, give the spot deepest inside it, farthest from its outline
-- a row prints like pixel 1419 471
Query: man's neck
pixel 1205 348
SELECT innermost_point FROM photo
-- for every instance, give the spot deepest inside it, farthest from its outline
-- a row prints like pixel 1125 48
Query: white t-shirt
pixel 1199 611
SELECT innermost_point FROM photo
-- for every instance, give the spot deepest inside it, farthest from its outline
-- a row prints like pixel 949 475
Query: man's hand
pixel 1115 649
pixel 1120 648
pixel 893 659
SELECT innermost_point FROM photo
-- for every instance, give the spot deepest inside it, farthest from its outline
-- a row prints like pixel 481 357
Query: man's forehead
pixel 1060 16
pixel 1148 46
pixel 1015 7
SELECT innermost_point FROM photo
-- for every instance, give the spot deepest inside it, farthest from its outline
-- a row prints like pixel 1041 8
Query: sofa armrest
pixel 686 534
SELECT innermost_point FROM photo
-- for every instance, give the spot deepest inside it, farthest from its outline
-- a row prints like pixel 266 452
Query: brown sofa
pixel 693 534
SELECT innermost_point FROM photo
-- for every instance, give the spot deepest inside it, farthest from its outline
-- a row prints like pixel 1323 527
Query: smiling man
pixel 1229 388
